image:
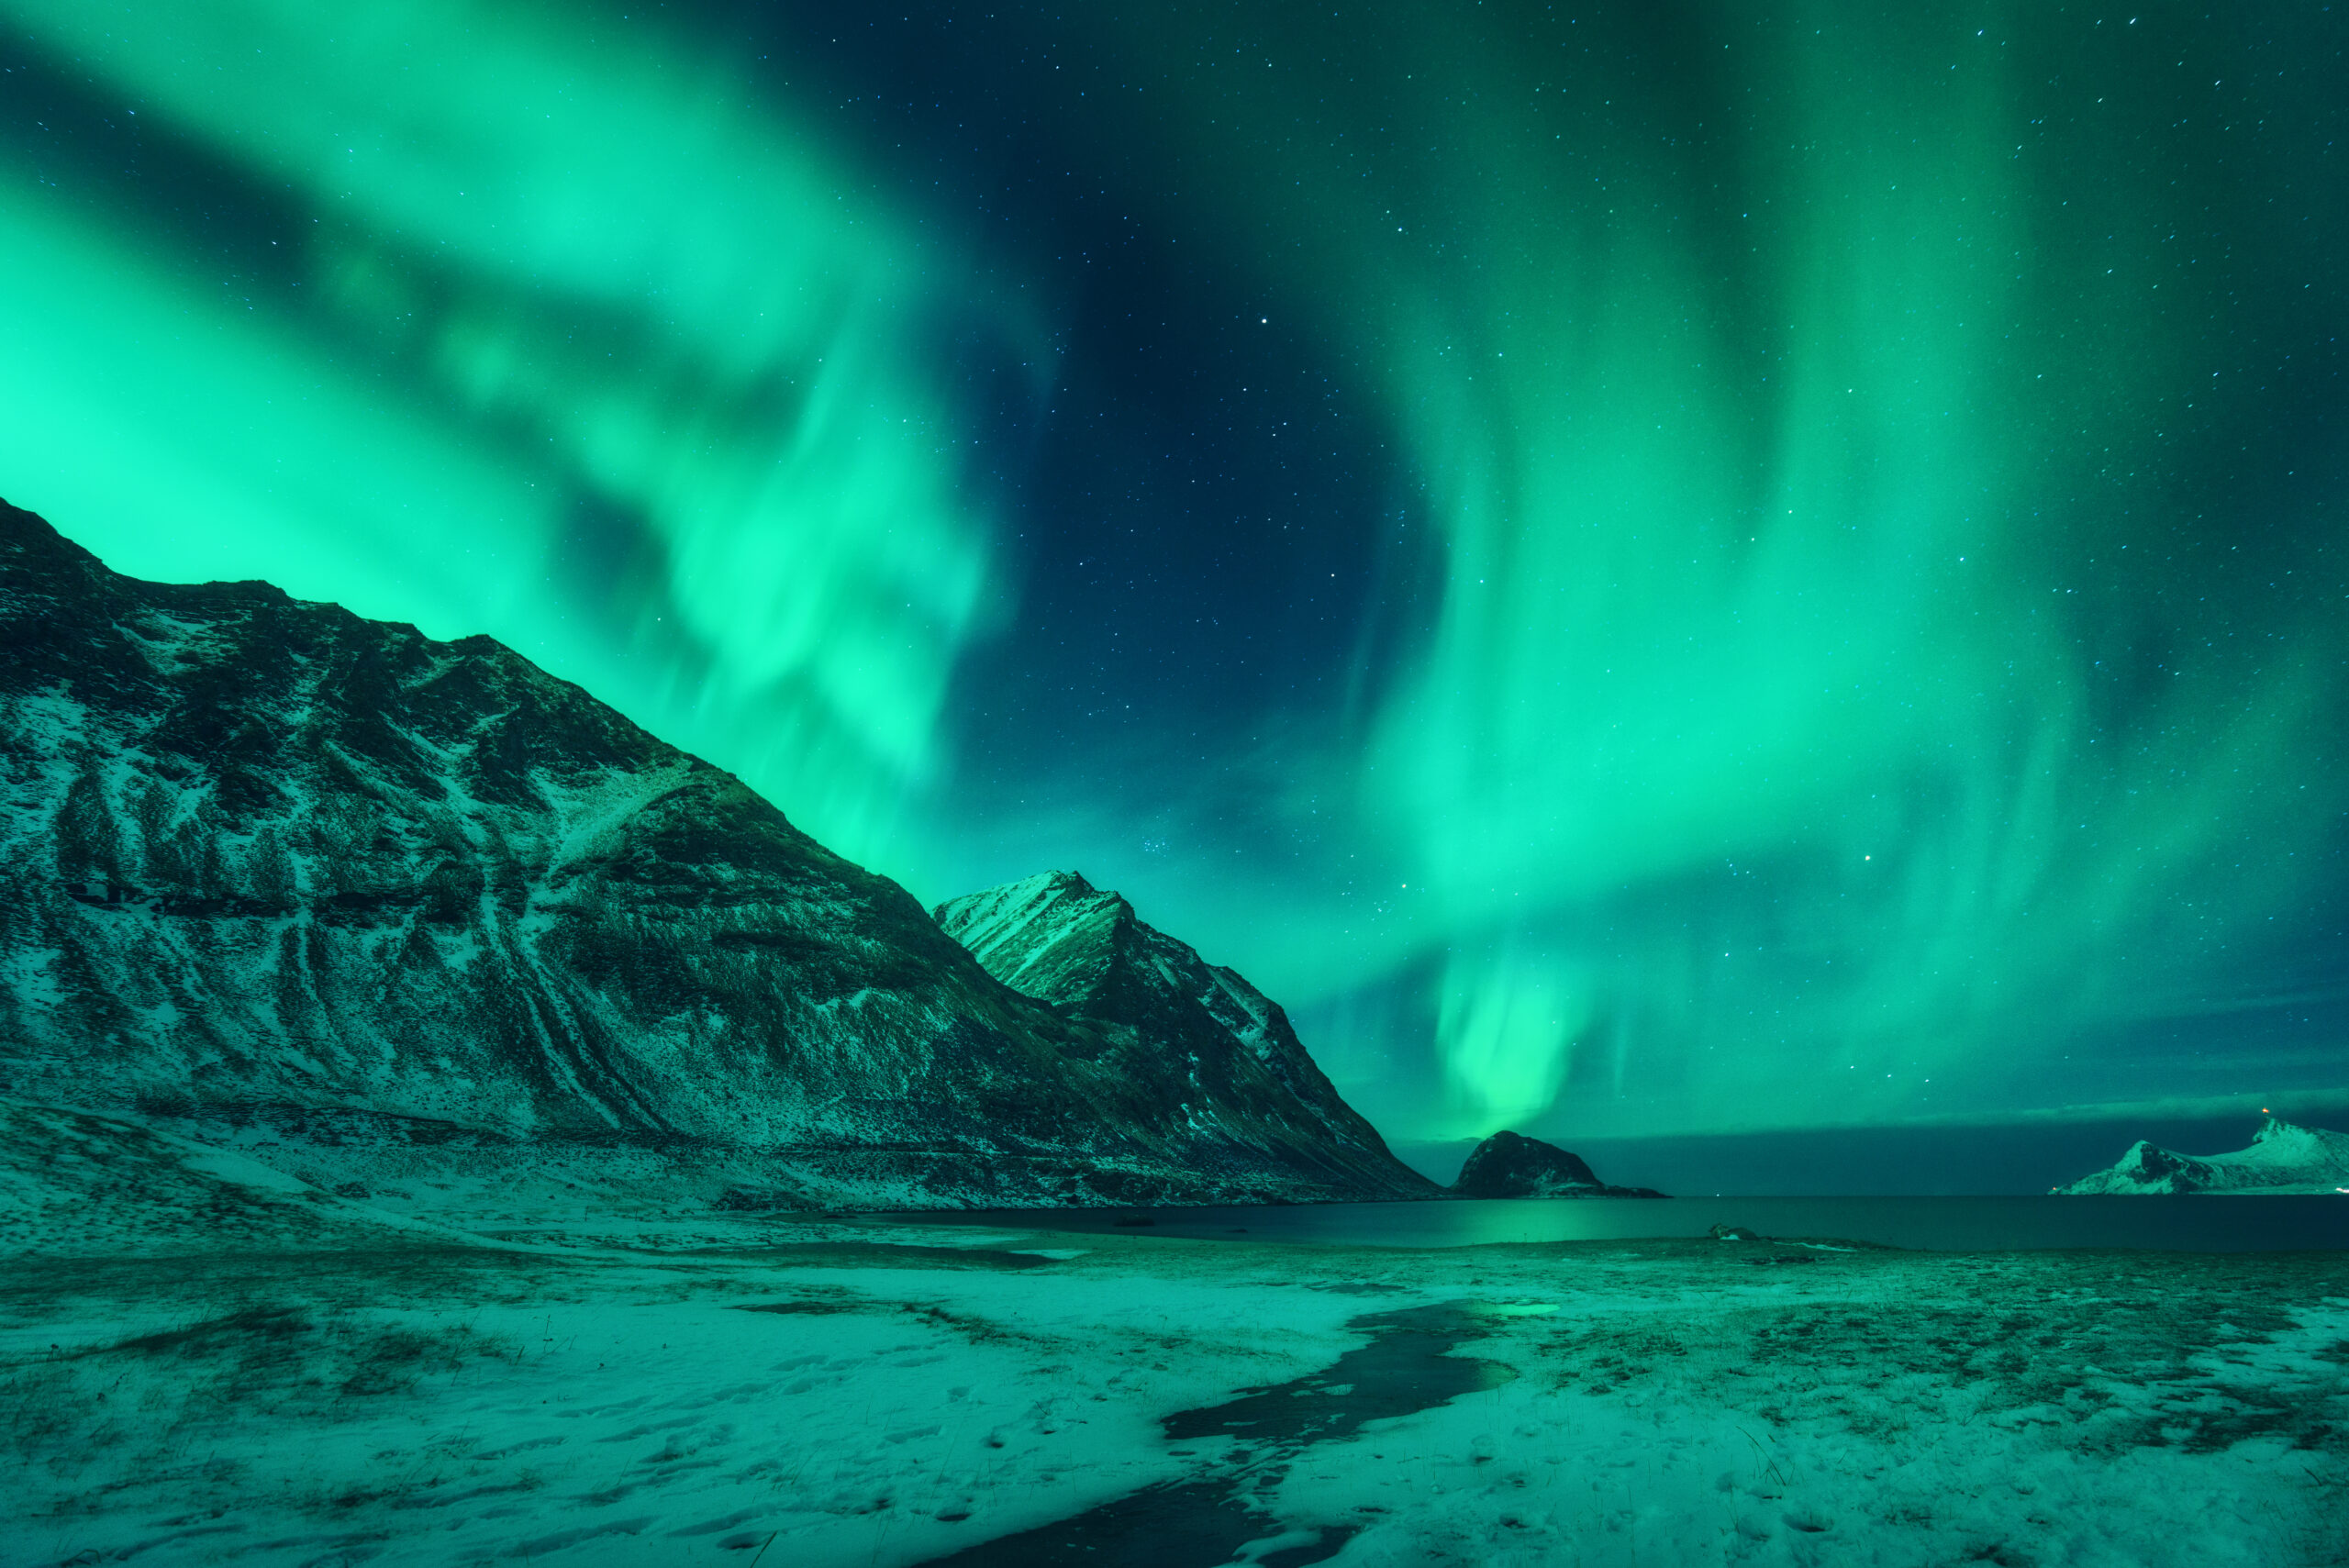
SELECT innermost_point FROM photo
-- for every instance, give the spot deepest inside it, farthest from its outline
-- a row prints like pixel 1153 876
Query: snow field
pixel 1531 1475
pixel 867 1394
pixel 618 1414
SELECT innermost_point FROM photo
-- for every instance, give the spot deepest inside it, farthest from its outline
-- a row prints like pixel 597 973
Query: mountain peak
pixel 1045 936
pixel 1195 1035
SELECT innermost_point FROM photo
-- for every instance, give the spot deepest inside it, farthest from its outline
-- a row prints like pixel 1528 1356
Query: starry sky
pixel 1653 571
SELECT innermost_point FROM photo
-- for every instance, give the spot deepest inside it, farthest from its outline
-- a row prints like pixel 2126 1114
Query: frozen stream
pixel 1406 1367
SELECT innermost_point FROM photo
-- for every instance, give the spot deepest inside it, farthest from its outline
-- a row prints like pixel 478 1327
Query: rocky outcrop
pixel 385 910
pixel 1187 1033
pixel 2282 1159
pixel 1508 1165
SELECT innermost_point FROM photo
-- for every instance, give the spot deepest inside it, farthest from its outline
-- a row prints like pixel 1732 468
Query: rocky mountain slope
pixel 1509 1165
pixel 1185 1031
pixel 398 914
pixel 2282 1159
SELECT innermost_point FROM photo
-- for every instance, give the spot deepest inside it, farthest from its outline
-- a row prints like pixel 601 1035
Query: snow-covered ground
pixel 812 1393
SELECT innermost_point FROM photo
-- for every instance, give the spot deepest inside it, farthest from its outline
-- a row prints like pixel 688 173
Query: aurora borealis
pixel 1649 570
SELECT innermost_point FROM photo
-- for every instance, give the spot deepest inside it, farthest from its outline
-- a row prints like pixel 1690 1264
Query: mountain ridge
pixel 338 894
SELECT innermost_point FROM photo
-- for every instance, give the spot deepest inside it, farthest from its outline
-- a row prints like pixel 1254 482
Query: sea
pixel 2186 1224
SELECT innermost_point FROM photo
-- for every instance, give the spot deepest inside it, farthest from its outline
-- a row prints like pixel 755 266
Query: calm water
pixel 1934 1224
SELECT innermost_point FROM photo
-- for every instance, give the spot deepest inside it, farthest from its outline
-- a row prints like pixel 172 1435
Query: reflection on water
pixel 1933 1224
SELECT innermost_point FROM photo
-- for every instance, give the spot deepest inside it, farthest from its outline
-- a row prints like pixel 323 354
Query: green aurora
pixel 1861 638
pixel 542 273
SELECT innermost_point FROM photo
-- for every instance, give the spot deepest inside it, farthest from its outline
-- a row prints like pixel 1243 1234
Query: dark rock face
pixel 2156 1168
pixel 1190 1035
pixel 1506 1166
pixel 288 878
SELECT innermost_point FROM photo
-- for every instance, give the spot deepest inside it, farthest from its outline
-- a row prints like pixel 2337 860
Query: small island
pixel 1508 1165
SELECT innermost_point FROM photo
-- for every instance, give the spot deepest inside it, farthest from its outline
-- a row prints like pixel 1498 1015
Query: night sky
pixel 1652 570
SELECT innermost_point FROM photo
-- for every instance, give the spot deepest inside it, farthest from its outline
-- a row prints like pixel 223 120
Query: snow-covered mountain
pixel 1508 1165
pixel 2282 1159
pixel 418 918
pixel 1190 1033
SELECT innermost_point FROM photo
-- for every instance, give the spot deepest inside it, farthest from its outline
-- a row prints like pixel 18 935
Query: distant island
pixel 1509 1165
pixel 2282 1159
